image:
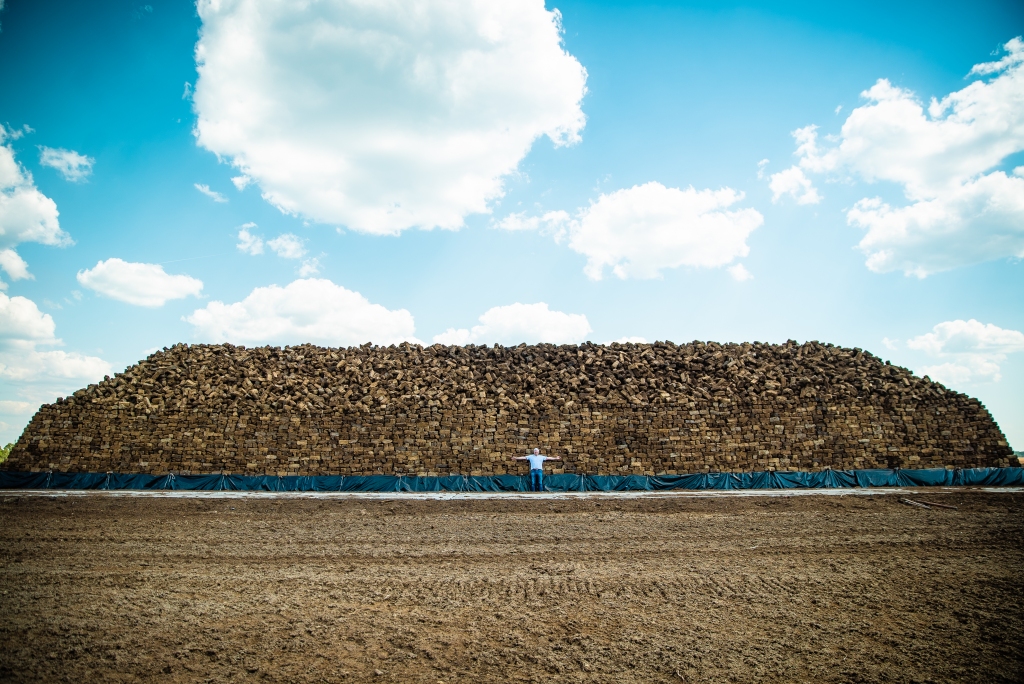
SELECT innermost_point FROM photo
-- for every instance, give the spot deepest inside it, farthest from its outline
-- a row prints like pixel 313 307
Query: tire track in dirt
pixel 815 589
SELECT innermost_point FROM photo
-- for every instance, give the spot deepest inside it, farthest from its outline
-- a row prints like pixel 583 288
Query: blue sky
pixel 498 173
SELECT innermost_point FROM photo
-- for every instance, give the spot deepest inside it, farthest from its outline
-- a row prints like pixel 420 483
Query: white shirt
pixel 537 461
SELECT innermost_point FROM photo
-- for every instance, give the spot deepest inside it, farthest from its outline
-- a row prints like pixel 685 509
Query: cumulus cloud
pixel 30 373
pixel 249 242
pixel 550 222
pixel 961 209
pixel 793 182
pixel 288 246
pixel 740 273
pixel 516 323
pixel 138 283
pixel 71 165
pixel 639 231
pixel 383 116
pixel 630 340
pixel 26 215
pixel 969 350
pixel 307 310
pixel 13 265
pixel 212 194
pixel 9 406
pixel 309 267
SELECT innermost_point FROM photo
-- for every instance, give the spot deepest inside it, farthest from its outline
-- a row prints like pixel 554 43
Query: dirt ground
pixel 667 589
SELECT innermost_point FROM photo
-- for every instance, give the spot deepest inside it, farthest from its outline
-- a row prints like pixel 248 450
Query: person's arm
pixel 519 458
pixel 555 458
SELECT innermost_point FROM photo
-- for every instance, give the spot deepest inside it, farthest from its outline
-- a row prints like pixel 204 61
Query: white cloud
pixel 960 209
pixel 26 215
pixel 30 374
pixel 760 167
pixel 9 406
pixel 517 323
pixel 241 182
pixel 22 321
pixel 974 350
pixel 383 116
pixel 248 242
pixel 287 246
pixel 137 283
pixel 309 310
pixel 977 221
pixel 20 363
pixel 551 222
pixel 13 264
pixel 891 345
pixel 794 182
pixel 15 133
pixel 212 194
pixel 71 165
pixel 630 340
pixel 740 273
pixel 641 230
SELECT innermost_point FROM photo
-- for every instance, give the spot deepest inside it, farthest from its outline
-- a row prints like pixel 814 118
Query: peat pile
pixel 618 409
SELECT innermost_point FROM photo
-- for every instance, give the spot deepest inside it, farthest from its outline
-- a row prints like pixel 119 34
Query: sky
pixel 478 172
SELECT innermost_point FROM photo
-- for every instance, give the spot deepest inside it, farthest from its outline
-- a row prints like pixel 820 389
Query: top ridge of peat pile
pixel 438 410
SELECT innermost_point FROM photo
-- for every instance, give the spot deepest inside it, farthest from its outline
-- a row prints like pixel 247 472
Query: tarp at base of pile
pixel 826 479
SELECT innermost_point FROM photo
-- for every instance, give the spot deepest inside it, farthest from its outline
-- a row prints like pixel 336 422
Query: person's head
pixel 536 451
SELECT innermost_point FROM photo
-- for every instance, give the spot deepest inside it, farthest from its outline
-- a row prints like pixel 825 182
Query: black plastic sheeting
pixel 826 479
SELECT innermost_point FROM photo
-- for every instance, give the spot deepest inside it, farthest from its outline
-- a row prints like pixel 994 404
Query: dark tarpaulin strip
pixel 236 483
pixel 604 483
pixel 133 481
pixel 876 478
pixel 931 477
pixel 992 477
pixel 197 482
pixel 266 483
pixel 765 480
pixel 23 480
pixel 77 481
pixel 450 483
pixel 567 482
pixel 289 483
pixel 791 480
pixel 837 478
pixel 695 481
pixel 633 483
pixel 371 483
pixel 601 483
pixel 326 483
pixel 723 481
pixel 497 483
pixel 564 483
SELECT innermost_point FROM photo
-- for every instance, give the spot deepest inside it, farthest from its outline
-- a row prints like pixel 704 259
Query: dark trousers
pixel 536 480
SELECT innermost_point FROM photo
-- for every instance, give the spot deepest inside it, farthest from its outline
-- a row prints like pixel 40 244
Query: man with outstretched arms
pixel 536 460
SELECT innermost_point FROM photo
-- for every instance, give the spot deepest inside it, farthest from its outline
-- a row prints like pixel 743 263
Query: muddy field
pixel 668 589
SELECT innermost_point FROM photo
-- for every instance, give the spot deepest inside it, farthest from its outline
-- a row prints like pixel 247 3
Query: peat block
pixel 641 409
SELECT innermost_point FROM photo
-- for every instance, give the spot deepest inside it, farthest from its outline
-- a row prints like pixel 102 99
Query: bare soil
pixel 669 589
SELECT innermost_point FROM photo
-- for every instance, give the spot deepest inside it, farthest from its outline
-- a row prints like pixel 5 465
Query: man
pixel 536 460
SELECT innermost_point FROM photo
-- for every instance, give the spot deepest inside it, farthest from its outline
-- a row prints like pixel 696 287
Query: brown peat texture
pixel 647 409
